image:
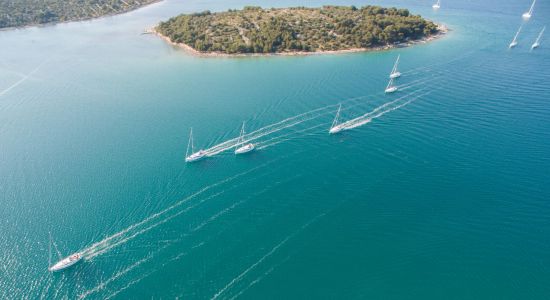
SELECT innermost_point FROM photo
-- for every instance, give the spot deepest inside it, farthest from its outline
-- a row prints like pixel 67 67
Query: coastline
pixel 443 30
pixel 40 25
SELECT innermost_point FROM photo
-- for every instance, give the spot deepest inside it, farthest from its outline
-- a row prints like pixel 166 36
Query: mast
pixel 532 6
pixel 517 33
pixel 540 35
pixel 190 144
pixel 389 83
pixel 241 136
pixel 438 2
pixel 50 250
pixel 335 122
pixel 395 65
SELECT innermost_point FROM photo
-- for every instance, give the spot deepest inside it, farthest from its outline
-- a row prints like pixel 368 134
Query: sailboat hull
pixel 391 89
pixel 245 149
pixel 512 45
pixel 526 16
pixel 195 156
pixel 66 262
pixel 535 45
pixel 336 129
pixel 395 75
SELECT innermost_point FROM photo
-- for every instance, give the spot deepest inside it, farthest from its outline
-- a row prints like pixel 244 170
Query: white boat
pixel 437 5
pixel 240 149
pixel 394 72
pixel 63 263
pixel 529 13
pixel 390 88
pixel 537 42
pixel 194 156
pixel 515 40
pixel 335 127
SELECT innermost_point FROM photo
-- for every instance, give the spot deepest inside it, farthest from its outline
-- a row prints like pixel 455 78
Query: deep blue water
pixel 444 194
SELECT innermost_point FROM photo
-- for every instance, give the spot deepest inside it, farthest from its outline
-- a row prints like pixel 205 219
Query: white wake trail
pixel 23 79
pixel 263 258
pixel 111 241
pixel 378 112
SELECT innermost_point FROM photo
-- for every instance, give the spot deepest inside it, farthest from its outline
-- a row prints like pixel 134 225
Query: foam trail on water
pixel 259 134
pixel 112 240
pixel 198 227
pixel 103 284
pixel 23 79
pixel 286 137
pixel 377 112
pixel 263 258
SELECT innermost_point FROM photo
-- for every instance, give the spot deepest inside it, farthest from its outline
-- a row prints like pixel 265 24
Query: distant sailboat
pixel 515 40
pixel 528 14
pixel 246 148
pixel 63 263
pixel 336 127
pixel 394 73
pixel 390 88
pixel 437 5
pixel 537 42
pixel 194 156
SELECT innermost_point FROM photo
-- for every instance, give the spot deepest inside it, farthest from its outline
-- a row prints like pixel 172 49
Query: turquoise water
pixel 443 195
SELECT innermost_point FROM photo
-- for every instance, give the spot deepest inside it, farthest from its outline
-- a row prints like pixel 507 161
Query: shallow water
pixel 444 194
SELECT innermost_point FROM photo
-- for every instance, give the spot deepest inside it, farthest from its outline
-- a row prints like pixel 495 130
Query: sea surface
pixel 441 192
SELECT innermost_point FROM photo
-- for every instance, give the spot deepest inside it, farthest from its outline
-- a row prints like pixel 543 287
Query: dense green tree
pixel 257 30
pixel 14 13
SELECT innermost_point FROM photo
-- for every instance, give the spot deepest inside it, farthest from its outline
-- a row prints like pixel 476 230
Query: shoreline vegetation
pixel 254 31
pixel 28 13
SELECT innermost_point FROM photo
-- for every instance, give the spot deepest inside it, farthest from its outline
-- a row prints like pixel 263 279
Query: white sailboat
pixel 537 42
pixel 336 127
pixel 63 263
pixel 240 148
pixel 528 14
pixel 394 73
pixel 194 156
pixel 390 88
pixel 515 40
pixel 437 5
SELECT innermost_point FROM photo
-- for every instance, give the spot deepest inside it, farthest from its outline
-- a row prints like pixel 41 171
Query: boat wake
pixel 157 219
pixel 266 256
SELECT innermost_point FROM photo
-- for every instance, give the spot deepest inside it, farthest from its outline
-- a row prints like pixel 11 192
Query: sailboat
pixel 537 42
pixel 390 88
pixel 63 263
pixel 240 148
pixel 194 156
pixel 437 5
pixel 394 73
pixel 514 41
pixel 528 14
pixel 335 127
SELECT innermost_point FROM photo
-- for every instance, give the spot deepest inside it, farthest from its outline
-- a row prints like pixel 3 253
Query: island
pixel 297 30
pixel 21 13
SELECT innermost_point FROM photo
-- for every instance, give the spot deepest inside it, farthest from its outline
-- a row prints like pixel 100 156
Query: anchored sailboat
pixel 336 127
pixel 515 40
pixel 390 88
pixel 437 5
pixel 246 148
pixel 63 263
pixel 528 14
pixel 194 155
pixel 394 73
pixel 537 42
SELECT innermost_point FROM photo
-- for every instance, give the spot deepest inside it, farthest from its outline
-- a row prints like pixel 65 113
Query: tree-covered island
pixel 293 30
pixel 17 13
